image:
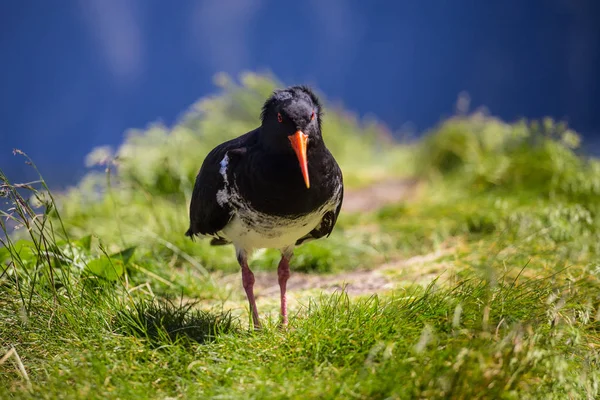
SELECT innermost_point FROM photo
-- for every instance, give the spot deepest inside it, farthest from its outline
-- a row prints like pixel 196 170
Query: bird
pixel 275 187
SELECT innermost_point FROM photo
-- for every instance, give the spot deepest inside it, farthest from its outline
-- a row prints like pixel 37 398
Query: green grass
pixel 101 296
pixel 511 340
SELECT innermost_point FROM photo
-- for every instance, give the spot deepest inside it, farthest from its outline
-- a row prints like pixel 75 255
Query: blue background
pixel 77 74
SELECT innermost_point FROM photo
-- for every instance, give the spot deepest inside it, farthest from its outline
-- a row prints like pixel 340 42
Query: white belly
pixel 270 232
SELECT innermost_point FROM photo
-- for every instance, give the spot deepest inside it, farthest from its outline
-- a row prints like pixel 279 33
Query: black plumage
pixel 276 186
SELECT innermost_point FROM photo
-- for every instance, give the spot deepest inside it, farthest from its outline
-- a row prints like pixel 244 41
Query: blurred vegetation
pixel 483 153
pixel 510 209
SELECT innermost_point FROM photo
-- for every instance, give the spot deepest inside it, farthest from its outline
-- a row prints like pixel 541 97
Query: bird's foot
pixel 257 325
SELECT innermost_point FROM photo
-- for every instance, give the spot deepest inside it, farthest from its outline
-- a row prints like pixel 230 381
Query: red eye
pixel 312 116
pixel 279 117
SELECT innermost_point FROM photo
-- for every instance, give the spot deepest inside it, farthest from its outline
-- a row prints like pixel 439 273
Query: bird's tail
pixel 189 233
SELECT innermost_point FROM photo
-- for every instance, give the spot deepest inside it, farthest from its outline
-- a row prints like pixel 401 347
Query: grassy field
pixel 481 279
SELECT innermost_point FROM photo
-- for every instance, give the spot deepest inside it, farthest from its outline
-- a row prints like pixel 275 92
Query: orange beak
pixel 298 141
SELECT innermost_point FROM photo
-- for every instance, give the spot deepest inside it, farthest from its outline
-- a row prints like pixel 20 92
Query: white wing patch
pixel 223 196
pixel 223 170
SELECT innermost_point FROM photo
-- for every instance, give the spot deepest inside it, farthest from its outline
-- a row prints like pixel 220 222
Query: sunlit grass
pixel 530 338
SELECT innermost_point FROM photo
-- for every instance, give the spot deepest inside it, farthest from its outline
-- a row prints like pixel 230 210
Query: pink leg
pixel 283 273
pixel 248 282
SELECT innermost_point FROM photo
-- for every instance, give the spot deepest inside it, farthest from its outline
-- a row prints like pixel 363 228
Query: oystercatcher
pixel 277 186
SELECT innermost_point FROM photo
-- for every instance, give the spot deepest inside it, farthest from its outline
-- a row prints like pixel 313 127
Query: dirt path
pixel 415 270
pixel 379 194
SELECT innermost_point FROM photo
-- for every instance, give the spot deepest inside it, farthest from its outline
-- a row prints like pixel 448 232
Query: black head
pixel 291 123
pixel 296 107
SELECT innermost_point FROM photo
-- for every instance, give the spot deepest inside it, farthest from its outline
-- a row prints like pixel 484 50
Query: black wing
pixel 207 216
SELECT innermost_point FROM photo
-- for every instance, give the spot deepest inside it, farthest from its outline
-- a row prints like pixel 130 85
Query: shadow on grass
pixel 163 321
